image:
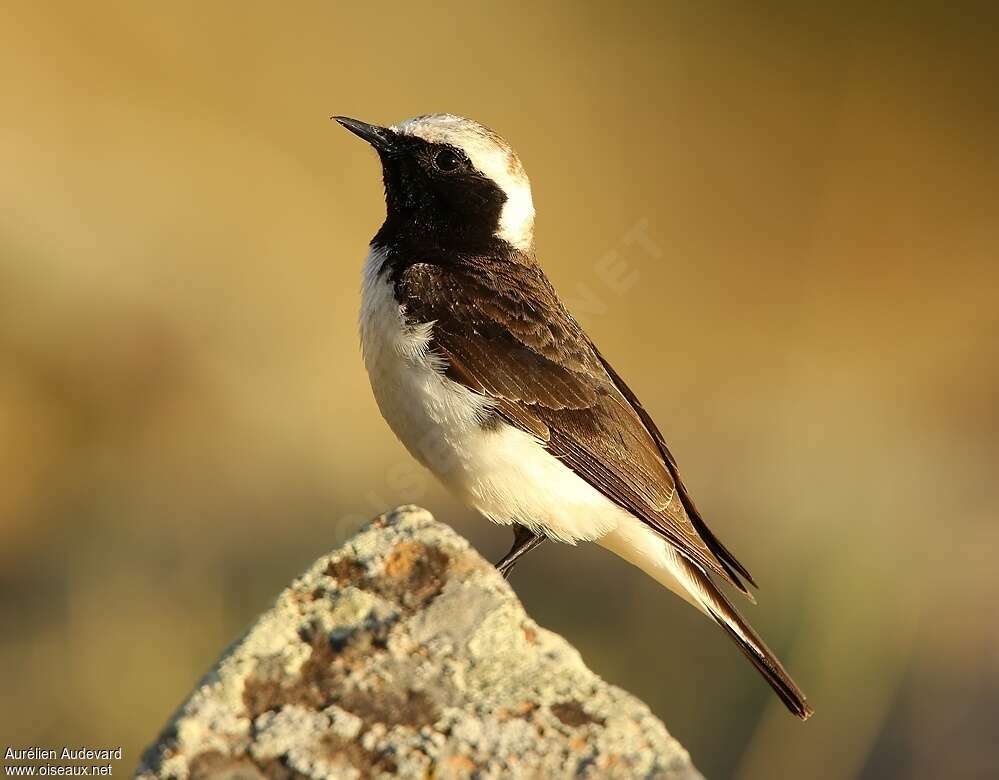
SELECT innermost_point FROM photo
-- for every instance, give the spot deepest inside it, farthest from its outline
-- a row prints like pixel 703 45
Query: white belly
pixel 499 470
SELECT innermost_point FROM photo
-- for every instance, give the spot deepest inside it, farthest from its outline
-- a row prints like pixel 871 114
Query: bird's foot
pixel 524 540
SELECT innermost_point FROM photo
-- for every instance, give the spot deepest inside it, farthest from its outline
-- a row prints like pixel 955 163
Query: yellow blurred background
pixel 185 421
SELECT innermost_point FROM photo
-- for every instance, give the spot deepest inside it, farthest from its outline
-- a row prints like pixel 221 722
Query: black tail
pixel 749 642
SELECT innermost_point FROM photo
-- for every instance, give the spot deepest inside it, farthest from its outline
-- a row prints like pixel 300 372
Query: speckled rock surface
pixel 405 654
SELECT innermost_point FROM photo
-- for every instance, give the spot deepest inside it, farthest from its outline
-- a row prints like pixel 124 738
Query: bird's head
pixel 451 178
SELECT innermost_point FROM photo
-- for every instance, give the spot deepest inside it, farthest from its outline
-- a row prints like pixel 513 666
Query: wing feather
pixel 504 333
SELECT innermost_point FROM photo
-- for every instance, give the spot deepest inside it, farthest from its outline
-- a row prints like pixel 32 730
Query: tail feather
pixel 714 602
pixel 773 672
pixel 640 546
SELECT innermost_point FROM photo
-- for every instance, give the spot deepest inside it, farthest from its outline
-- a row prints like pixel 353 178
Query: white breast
pixel 503 472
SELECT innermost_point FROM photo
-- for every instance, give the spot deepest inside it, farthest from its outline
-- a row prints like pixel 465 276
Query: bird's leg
pixel 524 540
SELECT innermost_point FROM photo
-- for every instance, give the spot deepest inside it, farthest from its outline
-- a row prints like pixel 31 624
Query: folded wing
pixel 504 333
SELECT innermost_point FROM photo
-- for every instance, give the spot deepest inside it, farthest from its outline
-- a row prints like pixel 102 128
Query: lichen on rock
pixel 405 654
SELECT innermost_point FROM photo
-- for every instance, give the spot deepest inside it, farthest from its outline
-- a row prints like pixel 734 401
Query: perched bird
pixel 490 383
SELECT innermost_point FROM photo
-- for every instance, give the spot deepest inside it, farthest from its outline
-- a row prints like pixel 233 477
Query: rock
pixel 404 653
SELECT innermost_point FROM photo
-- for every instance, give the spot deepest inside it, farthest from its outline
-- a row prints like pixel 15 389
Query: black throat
pixel 435 219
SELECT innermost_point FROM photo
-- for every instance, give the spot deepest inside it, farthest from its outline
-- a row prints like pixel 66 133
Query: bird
pixel 491 383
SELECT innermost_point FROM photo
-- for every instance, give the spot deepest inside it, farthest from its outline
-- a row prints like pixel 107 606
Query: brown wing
pixel 504 333
pixel 720 550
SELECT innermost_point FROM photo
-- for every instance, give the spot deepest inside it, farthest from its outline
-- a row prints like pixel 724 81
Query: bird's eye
pixel 446 160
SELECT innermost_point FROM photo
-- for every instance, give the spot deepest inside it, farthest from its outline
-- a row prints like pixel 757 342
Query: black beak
pixel 379 137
